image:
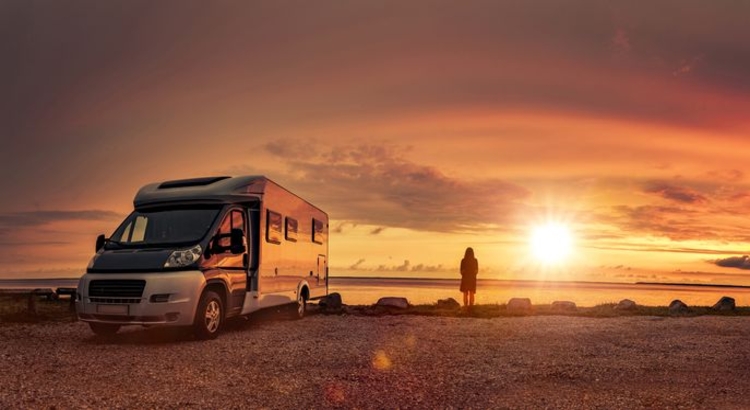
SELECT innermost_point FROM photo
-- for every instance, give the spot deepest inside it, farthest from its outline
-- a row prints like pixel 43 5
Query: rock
pixel 394 302
pixel 724 304
pixel 563 306
pixel 625 304
pixel 331 303
pixel 449 303
pixel 677 307
pixel 519 305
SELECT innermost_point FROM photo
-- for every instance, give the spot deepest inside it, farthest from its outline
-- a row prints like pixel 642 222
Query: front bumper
pixel 152 307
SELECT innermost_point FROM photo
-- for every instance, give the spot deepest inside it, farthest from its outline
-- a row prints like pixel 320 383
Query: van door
pixel 232 268
pixel 322 272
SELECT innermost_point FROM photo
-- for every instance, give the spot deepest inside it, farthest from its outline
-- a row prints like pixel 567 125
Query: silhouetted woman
pixel 469 269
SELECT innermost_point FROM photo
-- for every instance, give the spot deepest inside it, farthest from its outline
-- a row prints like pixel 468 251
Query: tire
pixel 104 329
pixel 301 307
pixel 209 318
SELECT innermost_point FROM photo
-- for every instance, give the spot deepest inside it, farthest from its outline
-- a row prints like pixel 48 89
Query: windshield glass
pixel 164 227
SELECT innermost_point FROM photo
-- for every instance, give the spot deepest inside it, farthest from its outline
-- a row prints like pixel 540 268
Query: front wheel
pixel 104 329
pixel 209 317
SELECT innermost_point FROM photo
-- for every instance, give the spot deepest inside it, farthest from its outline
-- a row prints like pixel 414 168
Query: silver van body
pixel 233 244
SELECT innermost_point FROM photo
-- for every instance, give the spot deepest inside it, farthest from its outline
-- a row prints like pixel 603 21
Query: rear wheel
pixel 104 329
pixel 301 306
pixel 209 317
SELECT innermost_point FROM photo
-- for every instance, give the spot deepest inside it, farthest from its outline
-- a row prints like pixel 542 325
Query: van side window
pixel 273 227
pixel 233 220
pixel 225 229
pixel 318 231
pixel 291 229
pixel 238 221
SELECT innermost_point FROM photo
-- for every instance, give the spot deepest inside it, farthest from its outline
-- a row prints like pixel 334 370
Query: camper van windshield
pixel 161 227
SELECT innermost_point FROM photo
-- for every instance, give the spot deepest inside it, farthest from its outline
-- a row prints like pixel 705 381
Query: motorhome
pixel 196 252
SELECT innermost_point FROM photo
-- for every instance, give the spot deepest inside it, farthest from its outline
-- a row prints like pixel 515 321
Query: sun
pixel 551 243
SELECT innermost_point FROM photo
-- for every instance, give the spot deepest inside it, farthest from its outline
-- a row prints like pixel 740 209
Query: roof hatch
pixel 182 183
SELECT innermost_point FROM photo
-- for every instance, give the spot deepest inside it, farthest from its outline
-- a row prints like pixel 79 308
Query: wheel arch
pixel 221 289
pixel 304 289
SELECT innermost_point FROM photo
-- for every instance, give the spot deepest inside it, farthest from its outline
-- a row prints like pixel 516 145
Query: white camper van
pixel 195 252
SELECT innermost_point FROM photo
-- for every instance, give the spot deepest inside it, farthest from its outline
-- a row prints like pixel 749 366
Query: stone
pixel 678 307
pixel 393 302
pixel 449 303
pixel 519 305
pixel 724 304
pixel 563 306
pixel 625 304
pixel 331 303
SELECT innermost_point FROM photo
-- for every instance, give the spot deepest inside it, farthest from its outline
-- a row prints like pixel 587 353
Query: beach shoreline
pixel 405 361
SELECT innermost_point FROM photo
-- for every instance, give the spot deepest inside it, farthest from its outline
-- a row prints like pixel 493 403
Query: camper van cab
pixel 195 252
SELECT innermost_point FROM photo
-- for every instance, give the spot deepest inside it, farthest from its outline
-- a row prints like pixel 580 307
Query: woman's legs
pixel 466 299
pixel 471 298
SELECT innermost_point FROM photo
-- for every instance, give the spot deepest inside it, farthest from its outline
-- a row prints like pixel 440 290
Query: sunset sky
pixel 421 127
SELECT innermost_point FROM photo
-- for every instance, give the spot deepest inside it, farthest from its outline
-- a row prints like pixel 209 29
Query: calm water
pixel 360 291
pixel 364 291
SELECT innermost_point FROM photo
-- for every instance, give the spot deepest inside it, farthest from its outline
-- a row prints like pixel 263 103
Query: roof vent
pixel 181 183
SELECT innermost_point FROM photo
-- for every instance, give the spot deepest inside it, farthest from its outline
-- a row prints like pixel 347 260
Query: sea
pixel 367 290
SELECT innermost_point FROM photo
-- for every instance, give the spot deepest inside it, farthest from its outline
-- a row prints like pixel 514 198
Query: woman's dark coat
pixel 469 269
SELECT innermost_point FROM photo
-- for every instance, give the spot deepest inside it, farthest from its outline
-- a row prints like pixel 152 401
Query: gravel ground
pixel 386 362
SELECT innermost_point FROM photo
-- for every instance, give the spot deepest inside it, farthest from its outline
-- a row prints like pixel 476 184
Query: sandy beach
pixel 385 362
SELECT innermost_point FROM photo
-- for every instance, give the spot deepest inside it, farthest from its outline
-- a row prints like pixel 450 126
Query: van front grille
pixel 114 288
pixel 114 301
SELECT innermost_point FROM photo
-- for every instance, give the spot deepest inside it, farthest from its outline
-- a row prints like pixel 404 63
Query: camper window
pixel 273 227
pixel 318 231
pixel 291 229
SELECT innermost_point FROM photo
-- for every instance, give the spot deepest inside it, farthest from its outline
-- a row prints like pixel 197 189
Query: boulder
pixel 449 303
pixel 519 305
pixel 625 304
pixel 724 304
pixel 393 302
pixel 331 303
pixel 563 306
pixel 677 307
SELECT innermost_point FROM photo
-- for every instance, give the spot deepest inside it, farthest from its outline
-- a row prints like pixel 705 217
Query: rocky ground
pixel 385 362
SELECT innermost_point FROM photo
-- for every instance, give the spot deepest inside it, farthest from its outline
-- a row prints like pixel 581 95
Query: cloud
pixel 375 184
pixel 377 230
pixel 31 244
pixel 686 66
pixel 620 42
pixel 675 223
pixel 357 264
pixel 729 175
pixel 38 218
pixel 407 266
pixel 740 262
pixel 342 226
pixel 675 193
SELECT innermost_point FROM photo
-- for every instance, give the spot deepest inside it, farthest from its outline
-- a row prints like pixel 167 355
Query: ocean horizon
pixel 367 290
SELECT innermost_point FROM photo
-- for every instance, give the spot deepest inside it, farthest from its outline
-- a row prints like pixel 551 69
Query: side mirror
pixel 100 241
pixel 237 242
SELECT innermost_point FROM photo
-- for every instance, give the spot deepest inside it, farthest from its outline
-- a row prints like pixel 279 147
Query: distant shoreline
pixel 703 285
pixel 400 281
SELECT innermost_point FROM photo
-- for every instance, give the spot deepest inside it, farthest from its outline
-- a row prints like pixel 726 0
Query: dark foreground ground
pixel 386 362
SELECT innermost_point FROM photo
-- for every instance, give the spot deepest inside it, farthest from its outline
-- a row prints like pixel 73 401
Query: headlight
pixel 185 257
